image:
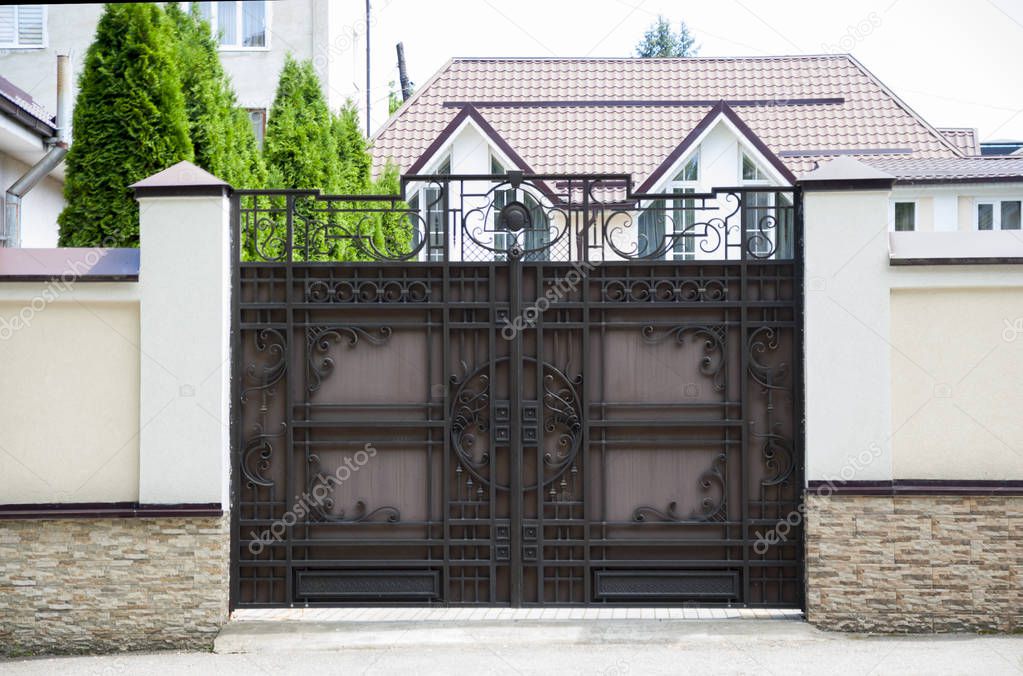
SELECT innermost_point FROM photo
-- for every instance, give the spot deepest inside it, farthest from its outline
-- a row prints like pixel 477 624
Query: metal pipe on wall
pixel 58 146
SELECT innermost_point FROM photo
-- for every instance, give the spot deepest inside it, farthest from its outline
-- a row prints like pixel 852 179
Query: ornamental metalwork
pixel 517 390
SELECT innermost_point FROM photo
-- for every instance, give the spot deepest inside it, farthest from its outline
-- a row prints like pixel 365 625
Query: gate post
pixel 184 337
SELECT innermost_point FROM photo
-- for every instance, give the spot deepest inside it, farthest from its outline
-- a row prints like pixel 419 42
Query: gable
pixel 628 115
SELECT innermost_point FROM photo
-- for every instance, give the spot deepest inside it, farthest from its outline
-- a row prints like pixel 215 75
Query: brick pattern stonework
pixel 105 584
pixel 914 563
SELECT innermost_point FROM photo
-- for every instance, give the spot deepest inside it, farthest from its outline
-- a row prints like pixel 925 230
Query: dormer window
pixel 767 217
pixel 751 172
pixel 653 224
pixel 429 203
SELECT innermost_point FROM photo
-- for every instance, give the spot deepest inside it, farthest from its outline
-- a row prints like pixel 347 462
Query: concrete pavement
pixel 607 647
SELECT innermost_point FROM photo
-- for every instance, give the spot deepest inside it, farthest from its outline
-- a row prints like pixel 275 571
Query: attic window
pixel 495 166
pixel 750 170
pixel 22 26
pixel 690 172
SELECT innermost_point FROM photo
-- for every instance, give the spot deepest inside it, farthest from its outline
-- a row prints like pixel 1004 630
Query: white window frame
pixel 267 12
pixel 46 33
pixel 764 180
pixel 996 212
pixel 428 254
pixel 683 186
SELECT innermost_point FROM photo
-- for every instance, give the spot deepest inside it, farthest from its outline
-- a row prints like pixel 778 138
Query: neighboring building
pixel 1001 148
pixel 255 37
pixel 26 130
pixel 693 124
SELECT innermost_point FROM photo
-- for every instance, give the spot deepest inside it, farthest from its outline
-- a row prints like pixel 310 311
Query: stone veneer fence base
pixel 901 564
pixel 110 584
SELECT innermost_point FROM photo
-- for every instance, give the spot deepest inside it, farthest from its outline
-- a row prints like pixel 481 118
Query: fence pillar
pixel 184 337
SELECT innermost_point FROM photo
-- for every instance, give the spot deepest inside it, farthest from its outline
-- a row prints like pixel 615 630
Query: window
pixel 257 117
pixel 750 170
pixel 999 215
pixel 22 26
pixel 759 218
pixel 240 24
pixel 653 231
pixel 430 205
pixel 905 216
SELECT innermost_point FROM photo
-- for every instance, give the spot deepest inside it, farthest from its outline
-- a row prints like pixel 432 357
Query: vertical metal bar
pixel 289 343
pixel 515 437
pixel 235 412
pixel 584 408
pixel 799 392
pixel 744 408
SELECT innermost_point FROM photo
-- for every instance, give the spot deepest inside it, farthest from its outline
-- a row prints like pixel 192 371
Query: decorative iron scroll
pixel 322 502
pixel 319 338
pixel 367 291
pixel 772 380
pixel 560 425
pixel 660 290
pixel 449 218
pixel 712 509
pixel 712 364
pixel 257 453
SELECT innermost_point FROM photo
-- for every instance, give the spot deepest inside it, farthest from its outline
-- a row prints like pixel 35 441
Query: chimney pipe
pixel 406 89
pixel 10 234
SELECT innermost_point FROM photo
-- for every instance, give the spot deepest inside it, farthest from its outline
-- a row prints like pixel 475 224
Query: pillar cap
pixel 183 179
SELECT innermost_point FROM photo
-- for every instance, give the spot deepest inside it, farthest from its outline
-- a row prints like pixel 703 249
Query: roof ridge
pixel 906 107
pixel 739 57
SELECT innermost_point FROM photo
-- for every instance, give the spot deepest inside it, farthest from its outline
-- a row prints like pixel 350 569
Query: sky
pixel 958 64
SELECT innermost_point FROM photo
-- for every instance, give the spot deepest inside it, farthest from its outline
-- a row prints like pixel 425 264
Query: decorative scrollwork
pixel 319 362
pixel 712 509
pixel 772 379
pixel 322 504
pixel 367 291
pixel 257 451
pixel 560 429
pixel 712 364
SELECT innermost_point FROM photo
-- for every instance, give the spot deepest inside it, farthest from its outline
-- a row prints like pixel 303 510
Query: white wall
pixel 39 208
pixel 184 411
pixel 854 334
pixel 69 356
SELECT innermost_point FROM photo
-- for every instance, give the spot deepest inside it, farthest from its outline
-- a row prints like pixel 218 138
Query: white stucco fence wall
pixel 909 339
pixel 119 391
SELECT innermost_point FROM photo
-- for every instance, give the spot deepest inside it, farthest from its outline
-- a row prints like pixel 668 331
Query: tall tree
pixel 352 151
pixel 395 227
pixel 661 42
pixel 222 137
pixel 300 149
pixel 129 120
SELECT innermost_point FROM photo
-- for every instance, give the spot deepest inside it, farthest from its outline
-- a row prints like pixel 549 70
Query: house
pixel 28 132
pixel 690 125
pixel 255 36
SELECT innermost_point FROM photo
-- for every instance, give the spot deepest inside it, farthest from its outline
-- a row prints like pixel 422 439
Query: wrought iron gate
pixel 558 392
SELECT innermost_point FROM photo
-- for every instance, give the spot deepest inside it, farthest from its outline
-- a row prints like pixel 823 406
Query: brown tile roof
pixel 964 138
pixel 627 115
pixel 20 105
pixel 971 169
